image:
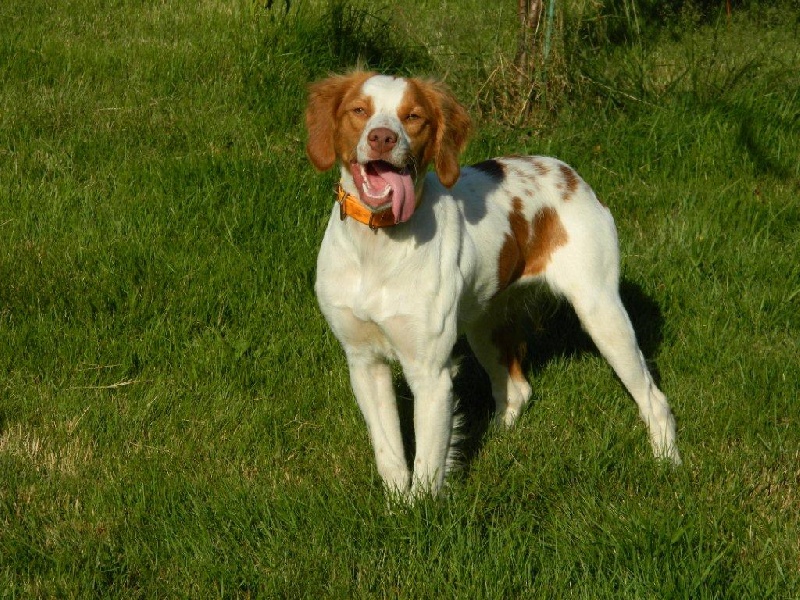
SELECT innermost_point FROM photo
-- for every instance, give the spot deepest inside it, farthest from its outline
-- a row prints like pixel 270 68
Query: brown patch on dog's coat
pixel 541 168
pixel 525 252
pixel 571 181
pixel 512 349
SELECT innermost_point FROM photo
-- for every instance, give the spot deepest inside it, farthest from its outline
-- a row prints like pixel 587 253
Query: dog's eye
pixel 413 117
pixel 360 111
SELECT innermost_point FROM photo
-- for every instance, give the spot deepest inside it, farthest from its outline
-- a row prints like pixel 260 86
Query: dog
pixel 410 261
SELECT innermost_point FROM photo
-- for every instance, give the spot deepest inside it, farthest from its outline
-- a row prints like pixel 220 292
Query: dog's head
pixel 385 131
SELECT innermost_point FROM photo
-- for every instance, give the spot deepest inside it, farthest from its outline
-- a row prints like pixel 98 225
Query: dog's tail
pixel 455 457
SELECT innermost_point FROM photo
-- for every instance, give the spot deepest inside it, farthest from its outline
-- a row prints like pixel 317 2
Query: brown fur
pixel 525 252
pixel 512 348
pixel 323 116
pixel 571 181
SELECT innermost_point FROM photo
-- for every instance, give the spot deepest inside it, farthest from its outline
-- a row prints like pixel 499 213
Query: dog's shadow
pixel 557 334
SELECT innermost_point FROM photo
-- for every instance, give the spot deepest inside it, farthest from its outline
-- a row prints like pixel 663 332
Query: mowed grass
pixel 176 418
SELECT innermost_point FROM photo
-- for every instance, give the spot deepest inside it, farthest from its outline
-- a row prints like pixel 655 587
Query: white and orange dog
pixel 410 261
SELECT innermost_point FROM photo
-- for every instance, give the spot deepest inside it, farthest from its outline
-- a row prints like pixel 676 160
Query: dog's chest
pixel 373 276
pixel 448 263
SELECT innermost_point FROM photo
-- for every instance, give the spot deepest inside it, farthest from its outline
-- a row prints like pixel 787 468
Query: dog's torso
pixel 445 268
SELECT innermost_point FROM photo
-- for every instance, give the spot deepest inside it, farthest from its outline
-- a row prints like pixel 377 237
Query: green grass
pixel 175 416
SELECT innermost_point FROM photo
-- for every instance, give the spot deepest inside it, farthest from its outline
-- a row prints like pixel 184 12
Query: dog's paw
pixel 506 418
pixel 668 453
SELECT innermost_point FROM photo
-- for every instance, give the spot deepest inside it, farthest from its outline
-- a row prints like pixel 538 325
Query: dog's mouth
pixel 381 185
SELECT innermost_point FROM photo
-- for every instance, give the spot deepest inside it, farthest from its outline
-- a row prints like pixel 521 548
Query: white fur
pixel 406 292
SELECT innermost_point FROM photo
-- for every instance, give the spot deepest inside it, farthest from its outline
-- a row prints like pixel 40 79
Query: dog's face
pixel 385 131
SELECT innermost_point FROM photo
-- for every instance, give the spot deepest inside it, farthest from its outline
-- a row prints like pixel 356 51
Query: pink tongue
pixel 403 200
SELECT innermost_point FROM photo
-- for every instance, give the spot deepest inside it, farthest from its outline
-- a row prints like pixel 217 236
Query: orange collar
pixel 350 206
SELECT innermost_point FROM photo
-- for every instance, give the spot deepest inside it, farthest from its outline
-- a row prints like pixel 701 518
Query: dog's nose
pixel 382 139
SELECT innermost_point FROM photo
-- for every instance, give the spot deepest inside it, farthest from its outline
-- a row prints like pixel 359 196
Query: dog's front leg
pixel 433 421
pixel 371 379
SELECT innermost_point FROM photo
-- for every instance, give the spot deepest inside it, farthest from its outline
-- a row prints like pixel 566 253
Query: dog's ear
pixel 452 129
pixel 324 99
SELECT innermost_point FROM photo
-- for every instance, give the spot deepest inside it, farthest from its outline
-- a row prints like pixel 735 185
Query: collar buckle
pixel 351 206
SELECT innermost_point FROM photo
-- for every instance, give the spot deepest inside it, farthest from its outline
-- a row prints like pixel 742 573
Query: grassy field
pixel 175 416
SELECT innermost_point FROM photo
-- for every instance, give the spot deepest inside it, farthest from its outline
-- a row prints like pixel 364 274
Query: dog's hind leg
pixel 595 298
pixel 500 349
pixel 604 318
pixel 586 272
